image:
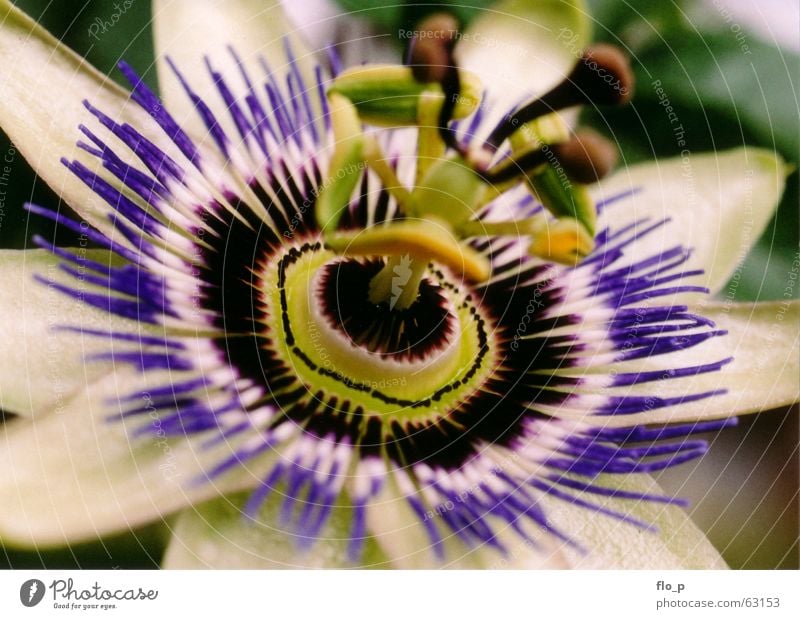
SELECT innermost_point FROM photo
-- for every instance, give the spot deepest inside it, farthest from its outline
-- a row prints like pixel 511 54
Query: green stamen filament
pixel 376 161
pixel 430 146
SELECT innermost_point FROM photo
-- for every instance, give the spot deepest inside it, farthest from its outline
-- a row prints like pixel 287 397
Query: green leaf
pixel 711 71
pixel 134 550
pixel 393 15
pixel 384 13
pixel 102 32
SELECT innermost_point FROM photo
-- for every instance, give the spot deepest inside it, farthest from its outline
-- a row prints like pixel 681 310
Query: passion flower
pixel 372 316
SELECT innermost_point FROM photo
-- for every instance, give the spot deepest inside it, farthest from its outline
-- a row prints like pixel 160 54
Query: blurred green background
pixel 729 86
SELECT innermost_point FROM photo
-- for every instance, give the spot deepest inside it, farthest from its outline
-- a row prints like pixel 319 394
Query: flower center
pixel 414 364
pixel 425 328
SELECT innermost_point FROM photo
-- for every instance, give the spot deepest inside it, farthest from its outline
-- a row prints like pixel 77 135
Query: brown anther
pixel 429 61
pixel 432 61
pixel 443 23
pixel 602 76
pixel 587 156
pixel 432 48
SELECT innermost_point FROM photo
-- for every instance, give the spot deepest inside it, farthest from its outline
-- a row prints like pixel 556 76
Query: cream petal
pixel 402 536
pixel 764 341
pixel 612 544
pixel 78 475
pixel 217 535
pixel 718 204
pixel 189 32
pixel 41 365
pixel 323 22
pixel 43 85
pixel 522 48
